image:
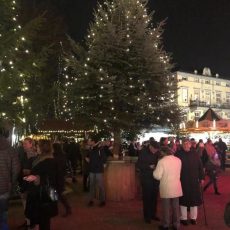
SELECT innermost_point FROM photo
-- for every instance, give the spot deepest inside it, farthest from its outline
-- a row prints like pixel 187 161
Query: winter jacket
pixel 97 160
pixel 145 159
pixel 168 172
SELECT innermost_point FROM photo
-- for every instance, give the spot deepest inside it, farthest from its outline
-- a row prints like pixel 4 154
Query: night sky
pixel 197 32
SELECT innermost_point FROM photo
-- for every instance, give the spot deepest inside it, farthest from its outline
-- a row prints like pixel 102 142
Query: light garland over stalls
pixel 66 131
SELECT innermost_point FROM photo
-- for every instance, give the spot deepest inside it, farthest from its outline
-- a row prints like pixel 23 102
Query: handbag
pixel 48 199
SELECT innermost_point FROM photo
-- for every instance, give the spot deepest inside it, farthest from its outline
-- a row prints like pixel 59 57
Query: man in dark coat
pixel 85 148
pixel 132 149
pixel 9 169
pixel 72 151
pixel 60 160
pixel 97 163
pixel 146 163
pixel 222 147
pixel 192 175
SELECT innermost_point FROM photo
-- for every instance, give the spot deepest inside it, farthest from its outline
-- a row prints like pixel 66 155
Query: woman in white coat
pixel 168 173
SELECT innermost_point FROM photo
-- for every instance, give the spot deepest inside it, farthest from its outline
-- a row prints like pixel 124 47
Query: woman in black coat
pixel 43 174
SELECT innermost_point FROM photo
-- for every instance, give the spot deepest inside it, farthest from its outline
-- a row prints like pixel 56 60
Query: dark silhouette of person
pixel 146 163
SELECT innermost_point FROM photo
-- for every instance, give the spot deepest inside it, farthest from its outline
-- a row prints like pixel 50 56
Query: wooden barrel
pixel 120 180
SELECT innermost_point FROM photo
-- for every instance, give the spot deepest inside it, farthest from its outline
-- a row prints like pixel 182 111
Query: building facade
pixel 198 92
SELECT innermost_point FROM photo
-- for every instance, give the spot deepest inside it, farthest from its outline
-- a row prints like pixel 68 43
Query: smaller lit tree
pixel 29 61
pixel 18 62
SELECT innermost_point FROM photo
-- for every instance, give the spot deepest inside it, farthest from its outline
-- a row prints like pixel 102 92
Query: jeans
pixel 97 179
pixel 3 212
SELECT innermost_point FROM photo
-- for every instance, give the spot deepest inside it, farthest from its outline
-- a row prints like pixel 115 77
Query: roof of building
pixel 210 115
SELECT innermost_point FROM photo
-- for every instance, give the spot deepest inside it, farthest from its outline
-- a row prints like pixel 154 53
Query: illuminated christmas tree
pixel 10 43
pixel 29 55
pixel 122 80
pixel 47 95
pixel 18 64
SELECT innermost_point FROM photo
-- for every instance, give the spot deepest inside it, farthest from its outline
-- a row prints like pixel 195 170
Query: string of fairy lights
pixel 49 131
pixel 7 62
pixel 65 111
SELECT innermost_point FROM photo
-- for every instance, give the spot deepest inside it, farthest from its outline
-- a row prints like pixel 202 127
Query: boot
pixel 217 193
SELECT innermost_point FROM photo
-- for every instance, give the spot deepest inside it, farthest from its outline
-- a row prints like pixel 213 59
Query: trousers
pixel 167 205
pixel 97 181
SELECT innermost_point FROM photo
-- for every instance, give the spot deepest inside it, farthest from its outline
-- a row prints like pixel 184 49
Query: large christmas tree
pixel 122 79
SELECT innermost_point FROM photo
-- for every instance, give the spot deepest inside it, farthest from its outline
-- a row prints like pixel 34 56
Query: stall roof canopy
pixel 210 115
pixel 57 125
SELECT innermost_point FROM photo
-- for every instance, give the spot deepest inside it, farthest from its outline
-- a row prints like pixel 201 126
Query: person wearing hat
pixel 146 163
pixel 9 165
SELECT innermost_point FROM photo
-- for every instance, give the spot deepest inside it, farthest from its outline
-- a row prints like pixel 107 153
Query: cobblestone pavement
pixel 126 215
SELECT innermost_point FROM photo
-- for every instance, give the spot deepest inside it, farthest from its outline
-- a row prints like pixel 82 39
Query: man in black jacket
pixel 9 169
pixel 222 147
pixel 146 163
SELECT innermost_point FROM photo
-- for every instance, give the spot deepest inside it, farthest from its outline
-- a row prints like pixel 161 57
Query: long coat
pixel 46 168
pixel 60 160
pixel 191 175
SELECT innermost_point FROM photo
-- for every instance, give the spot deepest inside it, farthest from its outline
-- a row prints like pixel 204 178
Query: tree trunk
pixel 117 144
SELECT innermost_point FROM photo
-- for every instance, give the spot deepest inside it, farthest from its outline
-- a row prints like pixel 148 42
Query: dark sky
pixel 197 32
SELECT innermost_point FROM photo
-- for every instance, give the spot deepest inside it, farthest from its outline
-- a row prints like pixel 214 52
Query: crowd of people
pixel 177 170
pixel 173 169
pixel 38 169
